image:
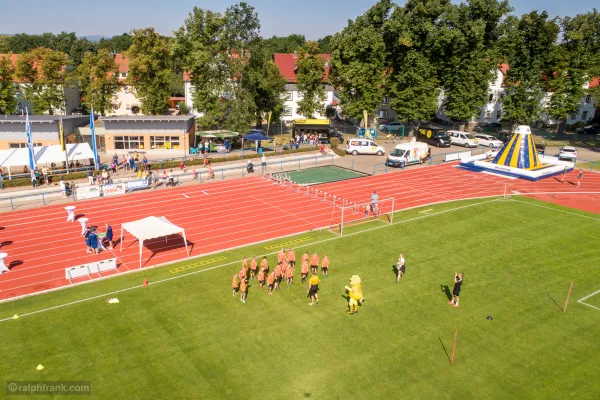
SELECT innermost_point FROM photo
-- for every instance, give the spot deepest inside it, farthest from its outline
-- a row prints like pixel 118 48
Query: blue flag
pixel 94 149
pixel 29 142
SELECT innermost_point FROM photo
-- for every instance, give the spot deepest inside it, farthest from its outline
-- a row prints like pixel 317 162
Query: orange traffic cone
pixel 145 282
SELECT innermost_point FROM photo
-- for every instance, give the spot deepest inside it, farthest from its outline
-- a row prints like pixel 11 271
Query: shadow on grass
pixel 445 351
pixel 446 290
pixel 554 301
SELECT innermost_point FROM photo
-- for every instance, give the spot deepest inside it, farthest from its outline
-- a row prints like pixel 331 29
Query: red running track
pixel 224 215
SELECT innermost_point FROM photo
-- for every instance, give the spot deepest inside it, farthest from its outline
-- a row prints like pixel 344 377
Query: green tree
pixel 4 44
pixel 325 44
pixel 44 76
pixel 98 81
pixel 358 61
pixel 117 43
pixel 310 67
pixel 470 43
pixel 575 60
pixel 149 70
pixel 531 42
pixel 8 91
pixel 284 44
pixel 183 108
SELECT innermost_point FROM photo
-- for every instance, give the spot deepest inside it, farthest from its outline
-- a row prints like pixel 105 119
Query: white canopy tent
pixel 45 155
pixel 152 228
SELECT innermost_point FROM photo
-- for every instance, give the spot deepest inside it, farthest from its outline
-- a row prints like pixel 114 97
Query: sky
pixel 312 18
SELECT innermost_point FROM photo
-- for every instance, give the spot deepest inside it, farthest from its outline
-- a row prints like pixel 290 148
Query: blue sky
pixel 313 18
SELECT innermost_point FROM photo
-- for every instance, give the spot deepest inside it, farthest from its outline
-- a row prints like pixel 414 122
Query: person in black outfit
pixel 458 280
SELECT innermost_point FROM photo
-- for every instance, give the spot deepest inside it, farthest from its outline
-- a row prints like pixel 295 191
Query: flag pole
pixel 63 144
pixel 29 141
pixel 94 148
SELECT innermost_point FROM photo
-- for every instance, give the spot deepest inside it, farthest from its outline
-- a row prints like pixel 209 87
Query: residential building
pixel 287 67
pixel 71 92
pixel 189 94
pixel 128 102
pixel 44 129
pixel 153 134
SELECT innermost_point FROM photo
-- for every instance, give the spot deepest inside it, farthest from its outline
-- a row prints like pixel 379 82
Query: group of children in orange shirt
pixel 283 272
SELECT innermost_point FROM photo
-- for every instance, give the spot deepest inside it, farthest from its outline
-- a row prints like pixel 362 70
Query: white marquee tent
pixel 45 155
pixel 152 228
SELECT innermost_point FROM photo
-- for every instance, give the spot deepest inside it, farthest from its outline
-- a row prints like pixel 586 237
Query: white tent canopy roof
pixel 45 154
pixel 152 228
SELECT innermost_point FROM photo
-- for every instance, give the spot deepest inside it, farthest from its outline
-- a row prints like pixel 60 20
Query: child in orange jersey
pixel 234 284
pixel 281 256
pixel 261 278
pixel 243 290
pixel 245 263
pixel 314 263
pixel 271 282
pixel 243 274
pixel 306 257
pixel 278 274
pixel 304 270
pixel 253 267
pixel 264 265
pixel 324 265
pixel 291 257
pixel 289 274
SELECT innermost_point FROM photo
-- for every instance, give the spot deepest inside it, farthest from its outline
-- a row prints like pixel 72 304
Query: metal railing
pixel 587 165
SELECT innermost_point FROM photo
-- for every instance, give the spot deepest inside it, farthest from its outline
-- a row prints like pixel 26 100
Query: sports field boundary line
pixel 587 297
pixel 557 209
pixel 210 268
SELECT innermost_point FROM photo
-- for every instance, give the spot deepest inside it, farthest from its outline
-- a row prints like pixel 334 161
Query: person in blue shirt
pixel 227 145
pixel 109 236
pixel 93 240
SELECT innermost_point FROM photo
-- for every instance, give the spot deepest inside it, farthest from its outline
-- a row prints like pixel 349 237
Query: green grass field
pixel 188 338
pixel 325 174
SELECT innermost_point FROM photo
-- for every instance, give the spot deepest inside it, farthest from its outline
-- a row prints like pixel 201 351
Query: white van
pixel 460 138
pixel 408 153
pixel 363 146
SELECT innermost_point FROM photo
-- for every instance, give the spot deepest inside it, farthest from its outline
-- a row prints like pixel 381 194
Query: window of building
pixel 383 113
pixel 123 74
pixel 386 100
pixel 491 98
pixel 588 99
pixel 499 114
pixel 126 89
pixel 573 116
pixel 288 96
pixel 128 106
pixel 129 142
pixel 287 111
pixel 22 145
pixel 584 116
pixel 164 142
pixel 488 114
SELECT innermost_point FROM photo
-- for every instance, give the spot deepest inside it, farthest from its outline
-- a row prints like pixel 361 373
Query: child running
pixel 400 268
pixel 243 290
pixel 324 265
pixel 271 282
pixel 261 278
pixel 234 284
pixel 314 263
pixel 304 270
pixel 253 266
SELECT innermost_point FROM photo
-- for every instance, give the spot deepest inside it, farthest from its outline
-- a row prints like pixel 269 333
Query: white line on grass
pixel 587 297
pixel 230 263
pixel 556 209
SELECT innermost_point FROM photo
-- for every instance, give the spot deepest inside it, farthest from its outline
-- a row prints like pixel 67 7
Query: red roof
pixel 287 65
pixel 13 58
pixel 595 82
pixel 122 63
pixel 186 76
pixel 504 68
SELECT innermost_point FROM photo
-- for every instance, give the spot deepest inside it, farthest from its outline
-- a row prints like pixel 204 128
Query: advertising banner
pixel 134 185
pixel 114 189
pixel 88 192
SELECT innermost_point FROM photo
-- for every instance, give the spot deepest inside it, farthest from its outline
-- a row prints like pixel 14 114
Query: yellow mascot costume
pixel 355 294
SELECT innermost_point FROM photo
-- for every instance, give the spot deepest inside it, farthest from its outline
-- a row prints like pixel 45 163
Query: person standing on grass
pixel 324 265
pixel 313 289
pixel 243 290
pixel 243 274
pixel 400 268
pixel 458 280
pixel 280 256
pixel 305 257
pixel 109 236
pixel 278 274
pixel 564 175
pixel 264 265
pixel 271 282
pixel 291 257
pixel 261 278
pixel 234 284
pixel 289 275
pixel 579 177
pixel 253 268
pixel 304 270
pixel 314 263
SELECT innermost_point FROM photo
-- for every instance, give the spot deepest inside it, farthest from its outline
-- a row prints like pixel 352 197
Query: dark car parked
pixel 589 130
pixel 434 136
pixel 487 127
pixel 325 138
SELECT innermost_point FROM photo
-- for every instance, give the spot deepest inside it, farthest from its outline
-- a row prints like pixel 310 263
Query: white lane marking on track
pixel 186 196
pixel 425 211
pixel 204 191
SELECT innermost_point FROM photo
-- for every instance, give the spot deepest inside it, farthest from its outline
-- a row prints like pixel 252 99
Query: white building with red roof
pixel 128 102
